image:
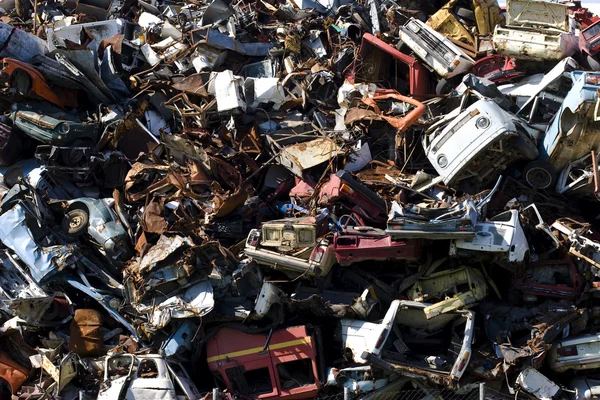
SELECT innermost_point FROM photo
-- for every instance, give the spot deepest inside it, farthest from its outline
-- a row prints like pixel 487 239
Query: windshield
pixel 591 31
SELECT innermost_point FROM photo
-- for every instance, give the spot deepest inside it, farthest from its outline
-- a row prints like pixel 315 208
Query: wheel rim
pixel 539 177
pixel 75 222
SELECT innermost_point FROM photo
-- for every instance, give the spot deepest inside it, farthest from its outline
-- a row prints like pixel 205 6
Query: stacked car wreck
pixel 288 199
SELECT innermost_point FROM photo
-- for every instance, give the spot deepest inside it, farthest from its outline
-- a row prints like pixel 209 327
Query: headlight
pixel 442 161
pixel 64 128
pixel 482 122
pixel 449 57
pixel 413 26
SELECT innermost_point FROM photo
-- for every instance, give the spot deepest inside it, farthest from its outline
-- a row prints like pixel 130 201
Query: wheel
pixel 592 63
pixel 539 175
pixel 23 8
pixel 465 13
pixel 75 222
pixel 72 157
pixel 443 86
pixel 12 176
pixel 524 145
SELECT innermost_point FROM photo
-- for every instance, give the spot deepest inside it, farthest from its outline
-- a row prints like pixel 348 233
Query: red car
pixel 378 61
pixel 558 279
pixel 279 365
pixel 363 243
pixel 342 187
pixel 589 44
pixel 497 68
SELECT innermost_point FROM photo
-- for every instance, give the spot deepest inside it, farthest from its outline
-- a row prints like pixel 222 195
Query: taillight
pixel 462 225
pixel 347 190
pixel 381 338
pixel 463 361
pixel 567 351
pixel 253 240
pixel 317 254
pixel 592 79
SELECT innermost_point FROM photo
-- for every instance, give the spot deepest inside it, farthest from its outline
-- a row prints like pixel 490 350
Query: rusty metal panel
pixel 86 333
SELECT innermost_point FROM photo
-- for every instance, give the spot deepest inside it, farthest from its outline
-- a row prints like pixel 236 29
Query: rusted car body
pixel 453 289
pixel 554 278
pixel 445 22
pixel 589 39
pixel 575 128
pixel 583 241
pixel 536 30
pixel 392 344
pixel 589 44
pixel 280 365
pixel 313 261
pixel 25 80
pixel 378 60
pixel 343 186
pixel 580 178
pixel 486 13
pixel 86 334
pixel 15 365
pixel 364 243
pixel 497 68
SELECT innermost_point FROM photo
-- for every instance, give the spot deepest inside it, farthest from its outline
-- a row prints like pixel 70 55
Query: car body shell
pixel 320 258
pixel 478 143
pixel 362 243
pixel 536 30
pixel 437 51
pixel 233 355
pixel 362 338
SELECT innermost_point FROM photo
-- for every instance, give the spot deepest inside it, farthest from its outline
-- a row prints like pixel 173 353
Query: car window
pixel 148 369
pixel 504 217
pixel 118 367
pixel 295 373
pixel 250 383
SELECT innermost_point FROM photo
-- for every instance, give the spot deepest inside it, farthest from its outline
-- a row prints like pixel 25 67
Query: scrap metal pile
pixel 293 198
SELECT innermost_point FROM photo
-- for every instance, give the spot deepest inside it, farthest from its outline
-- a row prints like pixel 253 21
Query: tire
pixel 443 86
pixel 465 13
pixel 72 157
pixel 592 63
pixel 75 222
pixel 539 175
pixel 23 8
pixel 12 176
pixel 525 146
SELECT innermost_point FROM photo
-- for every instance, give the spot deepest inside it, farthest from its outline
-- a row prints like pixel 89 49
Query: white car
pixel 436 50
pixel 502 234
pixel 398 342
pixel 578 353
pixel 478 143
pixel 536 30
